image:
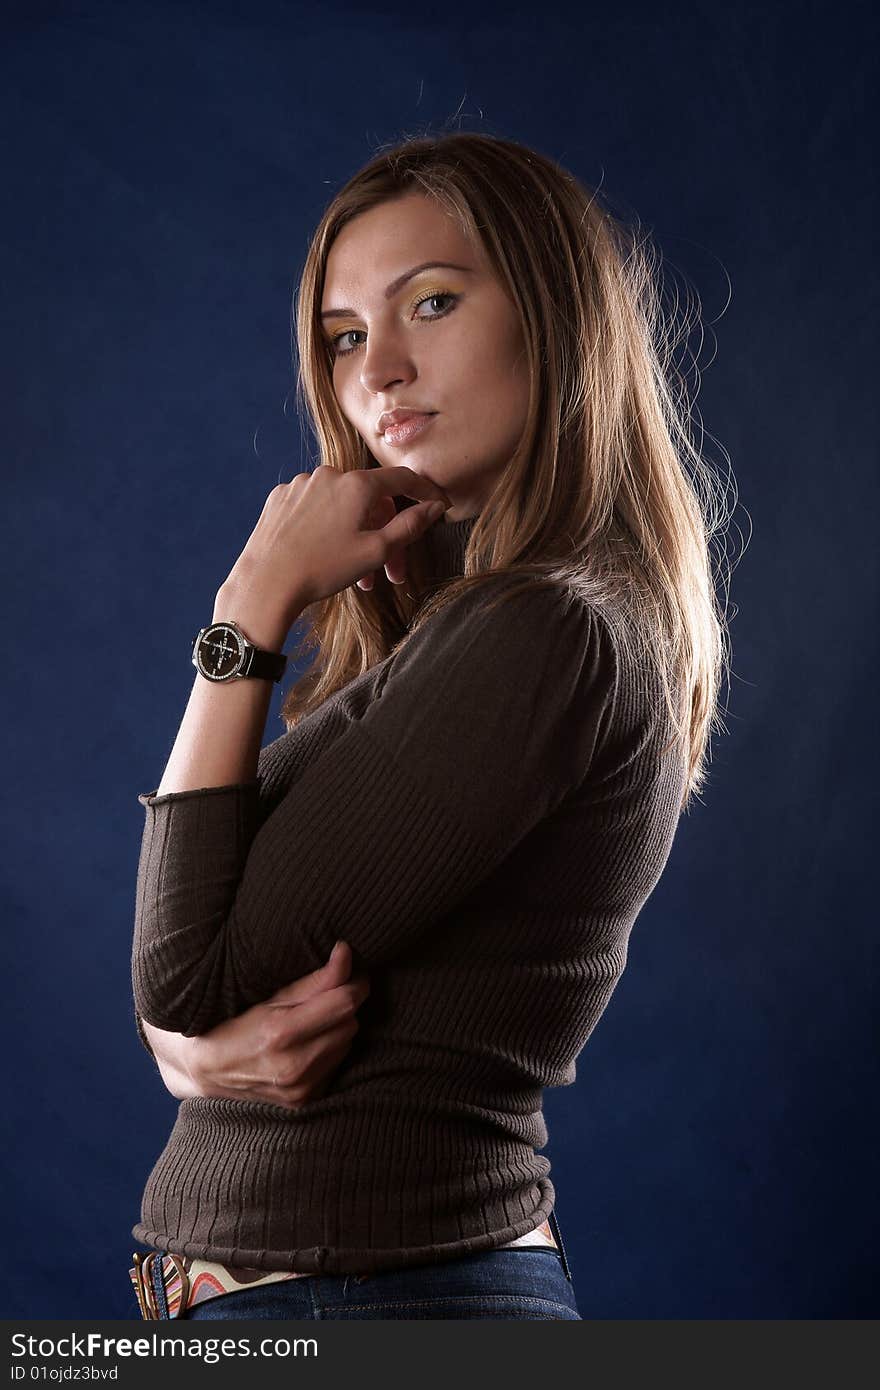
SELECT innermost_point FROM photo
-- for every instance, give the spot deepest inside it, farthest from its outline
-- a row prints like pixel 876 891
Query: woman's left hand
pixel 328 529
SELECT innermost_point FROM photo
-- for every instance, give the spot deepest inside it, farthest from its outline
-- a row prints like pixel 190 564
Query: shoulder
pixel 513 604
pixel 506 629
pixel 522 611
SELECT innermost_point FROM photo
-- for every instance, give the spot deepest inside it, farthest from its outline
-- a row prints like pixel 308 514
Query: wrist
pixel 182 1073
pixel 175 1058
pixel 263 626
pixel 190 1062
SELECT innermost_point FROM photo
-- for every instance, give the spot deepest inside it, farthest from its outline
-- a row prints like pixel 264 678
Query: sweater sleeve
pixel 139 1025
pixel 484 721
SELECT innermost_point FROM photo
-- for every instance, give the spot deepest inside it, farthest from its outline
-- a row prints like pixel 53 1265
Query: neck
pixel 445 544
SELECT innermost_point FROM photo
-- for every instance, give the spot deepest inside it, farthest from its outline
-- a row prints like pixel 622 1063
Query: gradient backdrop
pixel 164 167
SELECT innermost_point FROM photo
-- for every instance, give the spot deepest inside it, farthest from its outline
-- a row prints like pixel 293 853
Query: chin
pixel 424 467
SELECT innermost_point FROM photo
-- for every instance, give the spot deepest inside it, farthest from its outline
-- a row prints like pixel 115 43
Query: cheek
pixel 505 349
pixel 344 394
pixel 512 378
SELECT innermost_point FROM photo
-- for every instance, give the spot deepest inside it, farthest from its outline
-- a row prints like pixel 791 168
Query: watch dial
pixel 219 652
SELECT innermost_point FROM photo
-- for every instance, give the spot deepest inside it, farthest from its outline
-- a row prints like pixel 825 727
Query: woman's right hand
pixel 284 1050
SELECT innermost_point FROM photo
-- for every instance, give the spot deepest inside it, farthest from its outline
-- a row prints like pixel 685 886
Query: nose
pixel 386 362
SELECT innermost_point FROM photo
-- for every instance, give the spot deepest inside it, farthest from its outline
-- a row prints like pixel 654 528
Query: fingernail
pixel 436 509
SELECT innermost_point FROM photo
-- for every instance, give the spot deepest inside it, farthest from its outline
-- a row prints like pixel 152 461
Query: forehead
pixel 381 243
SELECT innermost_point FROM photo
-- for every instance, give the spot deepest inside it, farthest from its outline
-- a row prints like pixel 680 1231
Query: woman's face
pixel 445 340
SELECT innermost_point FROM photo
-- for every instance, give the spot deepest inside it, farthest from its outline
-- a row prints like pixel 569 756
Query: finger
pixel 320 1054
pixel 396 480
pixel 320 1014
pixel 382 511
pixel 331 1054
pixel 395 565
pixel 337 969
pixel 409 524
pixel 315 1066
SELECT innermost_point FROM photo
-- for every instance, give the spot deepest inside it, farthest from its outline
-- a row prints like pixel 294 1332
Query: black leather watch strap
pixel 262 665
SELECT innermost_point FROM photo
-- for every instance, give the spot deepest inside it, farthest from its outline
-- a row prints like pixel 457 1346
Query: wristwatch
pixel 221 652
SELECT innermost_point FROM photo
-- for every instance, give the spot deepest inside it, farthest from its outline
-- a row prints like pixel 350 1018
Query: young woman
pixel 504 560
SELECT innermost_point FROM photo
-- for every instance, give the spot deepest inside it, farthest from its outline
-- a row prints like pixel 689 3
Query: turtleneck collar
pixel 445 543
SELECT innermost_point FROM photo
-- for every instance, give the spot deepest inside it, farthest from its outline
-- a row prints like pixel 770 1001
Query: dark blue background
pixel 164 167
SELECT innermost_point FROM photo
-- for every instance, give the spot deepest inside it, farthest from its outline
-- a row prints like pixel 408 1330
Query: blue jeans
pixel 515 1283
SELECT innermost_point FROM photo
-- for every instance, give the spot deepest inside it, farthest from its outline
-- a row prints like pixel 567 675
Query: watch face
pixel 219 653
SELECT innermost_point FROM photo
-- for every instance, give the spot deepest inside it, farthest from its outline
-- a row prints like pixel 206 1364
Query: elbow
pixel 172 1003
pixel 189 996
pixel 172 1016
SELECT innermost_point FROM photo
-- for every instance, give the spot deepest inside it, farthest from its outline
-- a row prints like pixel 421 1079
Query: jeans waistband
pixel 162 1284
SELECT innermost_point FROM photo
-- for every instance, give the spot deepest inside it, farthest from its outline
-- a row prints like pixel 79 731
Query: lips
pixel 406 430
pixel 398 416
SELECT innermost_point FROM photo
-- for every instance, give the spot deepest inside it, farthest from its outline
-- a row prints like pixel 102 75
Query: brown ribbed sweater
pixel 481 816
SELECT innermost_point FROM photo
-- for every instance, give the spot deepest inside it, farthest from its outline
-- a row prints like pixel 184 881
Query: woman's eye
pixel 335 342
pixel 429 298
pixel 340 351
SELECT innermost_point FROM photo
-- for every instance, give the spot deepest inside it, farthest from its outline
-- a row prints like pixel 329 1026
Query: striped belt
pixel 179 1282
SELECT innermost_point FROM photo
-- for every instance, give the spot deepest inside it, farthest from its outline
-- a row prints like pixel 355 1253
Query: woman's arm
pixel 311 540
pixel 284 1051
pixel 314 537
pixel 219 739
pixel 484 721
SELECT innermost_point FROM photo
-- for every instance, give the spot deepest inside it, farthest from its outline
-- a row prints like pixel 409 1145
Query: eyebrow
pixel 397 284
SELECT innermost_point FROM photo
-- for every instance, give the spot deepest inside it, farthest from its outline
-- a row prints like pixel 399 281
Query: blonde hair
pixel 606 492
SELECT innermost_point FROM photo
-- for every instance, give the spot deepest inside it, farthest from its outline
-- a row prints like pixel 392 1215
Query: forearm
pixel 217 746
pixel 221 733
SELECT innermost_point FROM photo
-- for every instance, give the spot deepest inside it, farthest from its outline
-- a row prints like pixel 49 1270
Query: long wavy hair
pixel 607 493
